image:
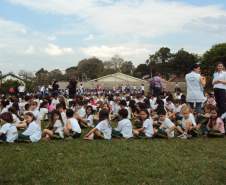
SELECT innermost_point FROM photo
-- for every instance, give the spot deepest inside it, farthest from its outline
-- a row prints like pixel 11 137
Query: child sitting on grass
pixel 88 120
pixel 188 123
pixel 72 128
pixel 147 125
pixel 55 129
pixel 167 127
pixel 215 126
pixel 33 131
pixel 103 129
pixel 124 128
pixel 8 131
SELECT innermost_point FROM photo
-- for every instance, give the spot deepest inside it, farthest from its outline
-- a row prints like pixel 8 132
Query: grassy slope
pixel 200 161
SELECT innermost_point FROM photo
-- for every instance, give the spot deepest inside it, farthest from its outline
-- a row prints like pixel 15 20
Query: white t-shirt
pixel 59 129
pixel 16 120
pixel 125 128
pixel 148 127
pixel 54 102
pixel 11 132
pixel 33 131
pixel 194 88
pixel 89 121
pixel 43 114
pixel 190 118
pixel 167 124
pixel 21 89
pixel 64 118
pixel 219 76
pixel 81 112
pixel 75 126
pixel 105 128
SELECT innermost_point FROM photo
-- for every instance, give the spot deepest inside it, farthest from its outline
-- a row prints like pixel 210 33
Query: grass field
pixel 199 161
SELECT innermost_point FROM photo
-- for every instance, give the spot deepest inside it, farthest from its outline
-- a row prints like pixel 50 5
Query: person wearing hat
pixel 195 88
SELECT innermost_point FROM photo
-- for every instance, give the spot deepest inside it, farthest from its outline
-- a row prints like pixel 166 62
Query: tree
pixel 141 71
pixel 115 63
pixel 90 68
pixel 55 74
pixel 182 62
pixel 163 55
pixel 127 68
pixel 71 73
pixel 42 77
pixel 216 54
pixel 26 75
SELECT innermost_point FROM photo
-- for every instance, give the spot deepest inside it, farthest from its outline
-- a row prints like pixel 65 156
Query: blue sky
pixel 58 33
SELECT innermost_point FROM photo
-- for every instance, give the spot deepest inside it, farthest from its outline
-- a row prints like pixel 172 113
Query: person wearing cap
pixel 195 88
pixel 219 86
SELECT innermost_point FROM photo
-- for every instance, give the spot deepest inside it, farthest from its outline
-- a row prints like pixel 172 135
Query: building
pixel 12 77
pixel 116 80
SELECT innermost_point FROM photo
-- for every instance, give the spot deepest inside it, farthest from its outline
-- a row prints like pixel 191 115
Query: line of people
pixel 107 116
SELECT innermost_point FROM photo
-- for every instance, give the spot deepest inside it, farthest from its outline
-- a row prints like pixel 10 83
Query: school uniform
pixel 191 118
pixel 148 128
pixel 64 117
pixel 89 120
pixel 75 128
pixel 125 128
pixel 33 132
pixel 105 128
pixel 166 125
pixel 58 128
pixel 43 114
pixel 8 133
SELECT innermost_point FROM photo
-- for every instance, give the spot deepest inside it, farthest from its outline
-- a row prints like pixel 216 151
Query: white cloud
pixel 30 50
pixel 134 53
pixel 89 37
pixel 55 50
pixel 149 18
pixel 123 27
pixel 11 27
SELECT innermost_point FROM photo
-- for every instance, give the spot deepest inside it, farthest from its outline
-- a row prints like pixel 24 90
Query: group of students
pixel 107 116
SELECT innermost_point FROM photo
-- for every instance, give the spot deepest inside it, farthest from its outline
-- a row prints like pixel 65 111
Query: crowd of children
pixel 106 116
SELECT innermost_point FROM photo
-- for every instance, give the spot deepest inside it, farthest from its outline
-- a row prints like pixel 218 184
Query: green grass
pixel 199 161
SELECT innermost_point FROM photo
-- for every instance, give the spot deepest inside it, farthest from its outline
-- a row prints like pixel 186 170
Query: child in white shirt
pixel 8 131
pixel 72 128
pixel 88 121
pixel 167 127
pixel 55 130
pixel 124 128
pixel 103 129
pixel 33 131
pixel 147 127
pixel 188 123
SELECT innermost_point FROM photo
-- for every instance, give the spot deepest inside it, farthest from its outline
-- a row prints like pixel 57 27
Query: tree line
pixel 164 61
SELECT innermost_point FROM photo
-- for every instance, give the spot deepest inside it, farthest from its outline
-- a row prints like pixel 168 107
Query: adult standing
pixel 156 85
pixel 72 88
pixel 195 88
pixel 219 86
pixel 55 88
